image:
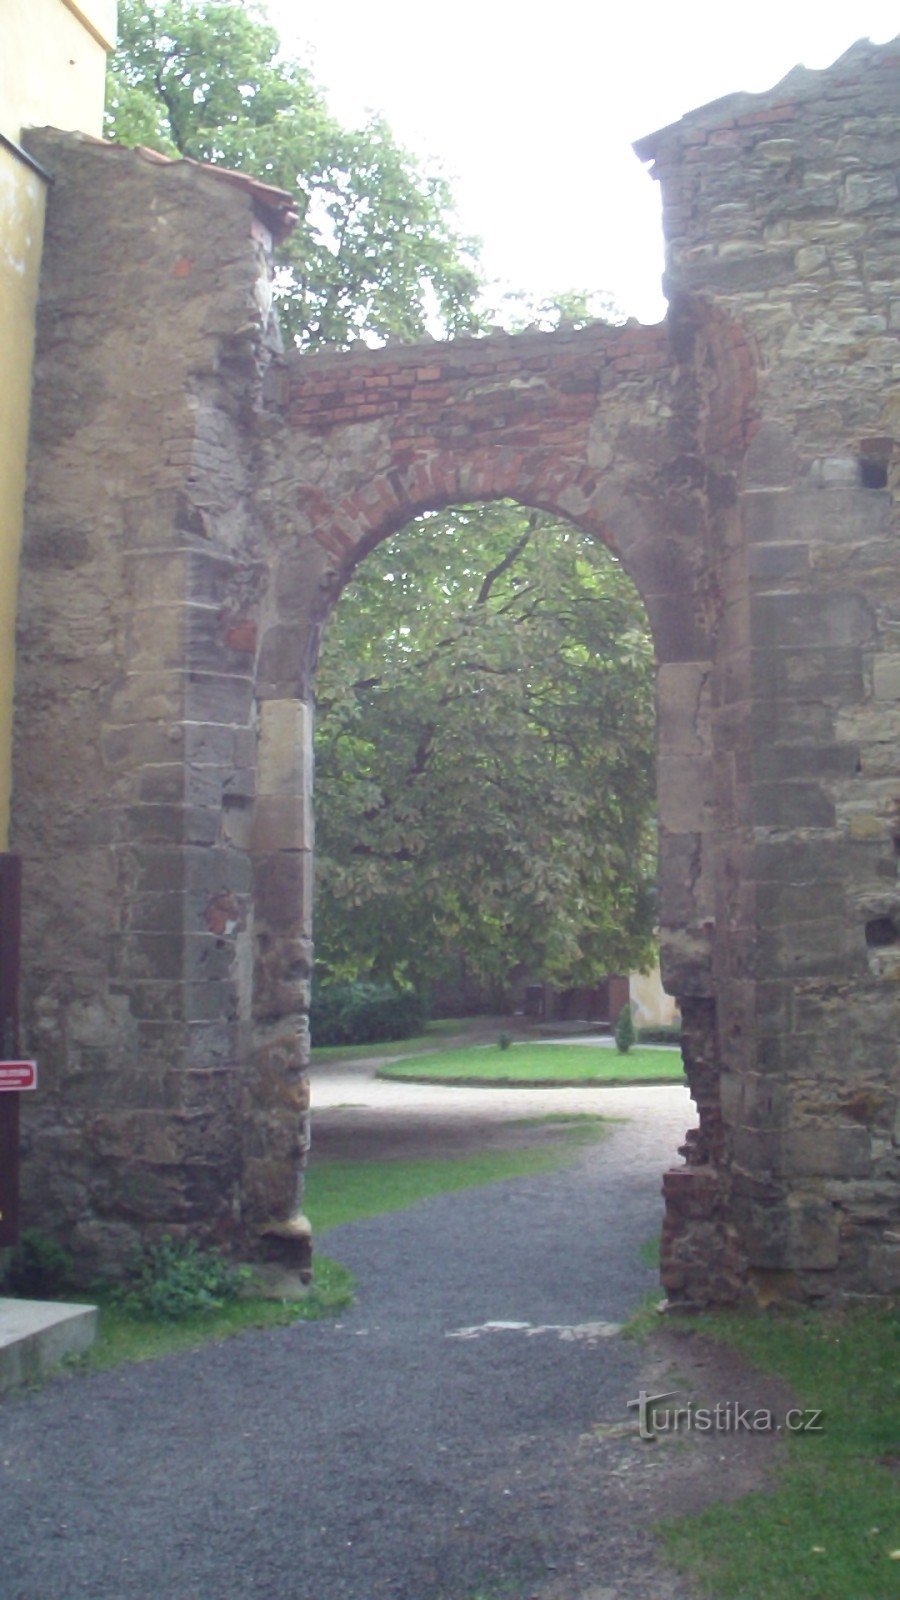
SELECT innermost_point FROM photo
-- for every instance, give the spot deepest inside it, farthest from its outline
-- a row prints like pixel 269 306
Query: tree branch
pixel 509 560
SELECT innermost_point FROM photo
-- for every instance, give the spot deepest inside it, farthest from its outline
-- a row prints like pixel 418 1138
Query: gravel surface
pixel 384 1455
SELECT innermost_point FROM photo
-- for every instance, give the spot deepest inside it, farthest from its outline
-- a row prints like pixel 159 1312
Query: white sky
pixel 530 110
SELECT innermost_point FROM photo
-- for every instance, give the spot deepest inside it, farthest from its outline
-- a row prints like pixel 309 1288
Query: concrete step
pixel 35 1335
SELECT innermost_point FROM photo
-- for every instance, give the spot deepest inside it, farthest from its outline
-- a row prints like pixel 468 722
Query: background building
pixel 52 71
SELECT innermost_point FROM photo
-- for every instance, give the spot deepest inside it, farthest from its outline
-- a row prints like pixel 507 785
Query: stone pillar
pixel 136 743
pixel 276 1102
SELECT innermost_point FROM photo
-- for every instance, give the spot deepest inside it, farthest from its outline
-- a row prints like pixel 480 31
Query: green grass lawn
pixel 541 1064
pixel 434 1033
pixel 829 1529
pixel 345 1191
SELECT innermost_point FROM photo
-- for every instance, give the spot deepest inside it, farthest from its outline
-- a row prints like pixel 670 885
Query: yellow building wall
pixel 52 71
pixel 651 1006
pixel 53 63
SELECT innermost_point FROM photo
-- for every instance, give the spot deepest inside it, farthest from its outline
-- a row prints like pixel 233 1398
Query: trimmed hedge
pixel 661 1033
pixel 365 1013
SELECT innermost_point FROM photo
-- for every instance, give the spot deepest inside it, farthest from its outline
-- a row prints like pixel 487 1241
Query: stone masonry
pixel 198 500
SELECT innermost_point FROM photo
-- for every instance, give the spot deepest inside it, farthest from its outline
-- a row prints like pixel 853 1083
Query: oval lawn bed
pixel 541 1066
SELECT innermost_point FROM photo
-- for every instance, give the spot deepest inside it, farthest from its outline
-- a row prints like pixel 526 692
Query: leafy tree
pixel 485 756
pixel 376 248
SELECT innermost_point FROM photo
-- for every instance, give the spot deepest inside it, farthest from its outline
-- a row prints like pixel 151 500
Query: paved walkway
pixel 408 1451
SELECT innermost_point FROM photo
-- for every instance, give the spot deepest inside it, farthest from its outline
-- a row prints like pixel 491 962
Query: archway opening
pixel 486 819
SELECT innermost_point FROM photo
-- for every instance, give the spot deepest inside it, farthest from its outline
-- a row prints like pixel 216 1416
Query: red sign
pixel 18 1075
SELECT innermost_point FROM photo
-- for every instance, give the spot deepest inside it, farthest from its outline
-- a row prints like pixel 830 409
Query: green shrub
pixel 364 1013
pixel 624 1030
pixel 39 1269
pixel 504 1040
pixel 175 1279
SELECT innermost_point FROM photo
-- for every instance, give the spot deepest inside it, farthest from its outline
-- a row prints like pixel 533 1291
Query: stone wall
pixel 135 755
pixel 782 208
pixel 197 505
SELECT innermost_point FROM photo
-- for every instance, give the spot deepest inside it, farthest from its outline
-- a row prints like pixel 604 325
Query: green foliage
pixel 519 312
pixel 134 1336
pixel 376 248
pixel 175 1279
pixel 364 1013
pixel 504 1040
pixel 484 757
pixel 39 1268
pixel 625 1034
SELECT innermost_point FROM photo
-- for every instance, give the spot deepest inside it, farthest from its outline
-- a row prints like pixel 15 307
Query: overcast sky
pixel 531 109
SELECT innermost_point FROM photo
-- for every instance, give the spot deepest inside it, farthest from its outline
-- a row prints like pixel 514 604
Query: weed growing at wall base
pixel 125 1336
pixel 175 1279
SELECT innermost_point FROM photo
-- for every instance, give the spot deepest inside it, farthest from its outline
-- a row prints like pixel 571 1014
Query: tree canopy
pixel 484 768
pixel 485 703
pixel 377 250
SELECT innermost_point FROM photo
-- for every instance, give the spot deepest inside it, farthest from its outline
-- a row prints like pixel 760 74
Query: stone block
pixel 685 795
pixel 792 805
pixel 162 784
pixel 825 1150
pixel 213 1001
pixel 137 744
pixel 825 759
pixel 285 747
pixel 800 1233
pixel 812 1234
pixel 779 903
pixel 167 824
pixel 886 678
pixel 884 1266
pixel 789 621
pixel 160 520
pixel 152 696
pixel 282 975
pixel 683 694
pixel 835 514
pixel 283 892
pixel 771 459
pixel 155 913
pixel 824 947
pixel 285 662
pixel 282 822
pixel 300 580
pixel 218 697
pixel 772 564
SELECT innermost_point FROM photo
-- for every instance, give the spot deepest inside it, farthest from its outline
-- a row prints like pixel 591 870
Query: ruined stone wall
pixel 782 208
pixel 197 505
pixel 135 743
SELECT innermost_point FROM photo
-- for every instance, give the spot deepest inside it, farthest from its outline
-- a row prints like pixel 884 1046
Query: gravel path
pixel 384 1455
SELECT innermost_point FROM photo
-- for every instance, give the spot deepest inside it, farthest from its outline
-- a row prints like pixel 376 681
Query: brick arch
pixel 590 501
pixel 600 427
